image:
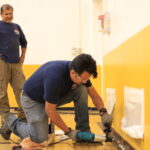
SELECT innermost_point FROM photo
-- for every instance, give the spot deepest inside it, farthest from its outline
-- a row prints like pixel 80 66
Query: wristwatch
pixel 102 111
pixel 66 133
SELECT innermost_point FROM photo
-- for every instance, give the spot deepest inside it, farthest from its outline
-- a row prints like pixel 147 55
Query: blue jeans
pixel 37 126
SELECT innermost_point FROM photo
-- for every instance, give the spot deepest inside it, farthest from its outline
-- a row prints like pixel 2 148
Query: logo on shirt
pixel 17 31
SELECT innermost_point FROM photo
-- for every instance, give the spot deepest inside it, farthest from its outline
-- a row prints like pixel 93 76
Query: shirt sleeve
pixel 23 41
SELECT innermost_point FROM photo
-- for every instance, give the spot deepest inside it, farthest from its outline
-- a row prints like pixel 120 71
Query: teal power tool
pixel 90 137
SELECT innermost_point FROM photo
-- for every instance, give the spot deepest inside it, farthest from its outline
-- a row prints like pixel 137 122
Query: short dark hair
pixel 84 62
pixel 7 7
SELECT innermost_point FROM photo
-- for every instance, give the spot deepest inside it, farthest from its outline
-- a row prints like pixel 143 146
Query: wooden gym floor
pixel 68 144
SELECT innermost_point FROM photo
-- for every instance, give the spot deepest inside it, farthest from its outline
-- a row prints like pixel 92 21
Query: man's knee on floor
pixel 39 138
pixel 38 131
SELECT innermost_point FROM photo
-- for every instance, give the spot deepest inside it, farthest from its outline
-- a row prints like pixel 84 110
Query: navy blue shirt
pixel 50 82
pixel 11 37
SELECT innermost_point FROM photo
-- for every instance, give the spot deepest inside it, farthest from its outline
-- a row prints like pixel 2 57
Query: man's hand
pixel 72 134
pixel 106 118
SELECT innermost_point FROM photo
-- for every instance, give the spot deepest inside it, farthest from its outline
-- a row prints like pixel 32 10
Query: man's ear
pixel 72 71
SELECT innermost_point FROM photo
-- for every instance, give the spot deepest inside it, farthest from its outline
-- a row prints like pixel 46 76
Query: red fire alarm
pixel 104 22
pixel 101 18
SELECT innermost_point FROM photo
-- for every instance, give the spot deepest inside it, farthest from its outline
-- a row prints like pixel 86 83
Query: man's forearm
pixel 56 119
pixel 23 52
pixel 97 101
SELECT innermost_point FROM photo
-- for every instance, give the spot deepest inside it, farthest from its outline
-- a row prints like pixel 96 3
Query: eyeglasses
pixel 80 79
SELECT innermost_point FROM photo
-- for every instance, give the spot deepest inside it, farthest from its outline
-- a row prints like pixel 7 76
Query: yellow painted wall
pixel 29 69
pixel 129 65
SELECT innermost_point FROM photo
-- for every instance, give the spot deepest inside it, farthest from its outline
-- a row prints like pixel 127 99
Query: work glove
pixel 106 118
pixel 72 134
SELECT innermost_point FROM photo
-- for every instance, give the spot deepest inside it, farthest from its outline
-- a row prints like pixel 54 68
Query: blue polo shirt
pixel 50 82
pixel 11 37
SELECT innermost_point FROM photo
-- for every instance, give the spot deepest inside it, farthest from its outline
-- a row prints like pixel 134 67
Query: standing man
pixel 54 84
pixel 11 37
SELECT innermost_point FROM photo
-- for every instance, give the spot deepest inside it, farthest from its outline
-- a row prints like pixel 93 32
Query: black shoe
pixel 4 130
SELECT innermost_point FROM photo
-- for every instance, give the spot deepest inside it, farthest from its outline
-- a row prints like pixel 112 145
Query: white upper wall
pixel 54 27
pixel 127 18
pixel 50 26
pixel 89 24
